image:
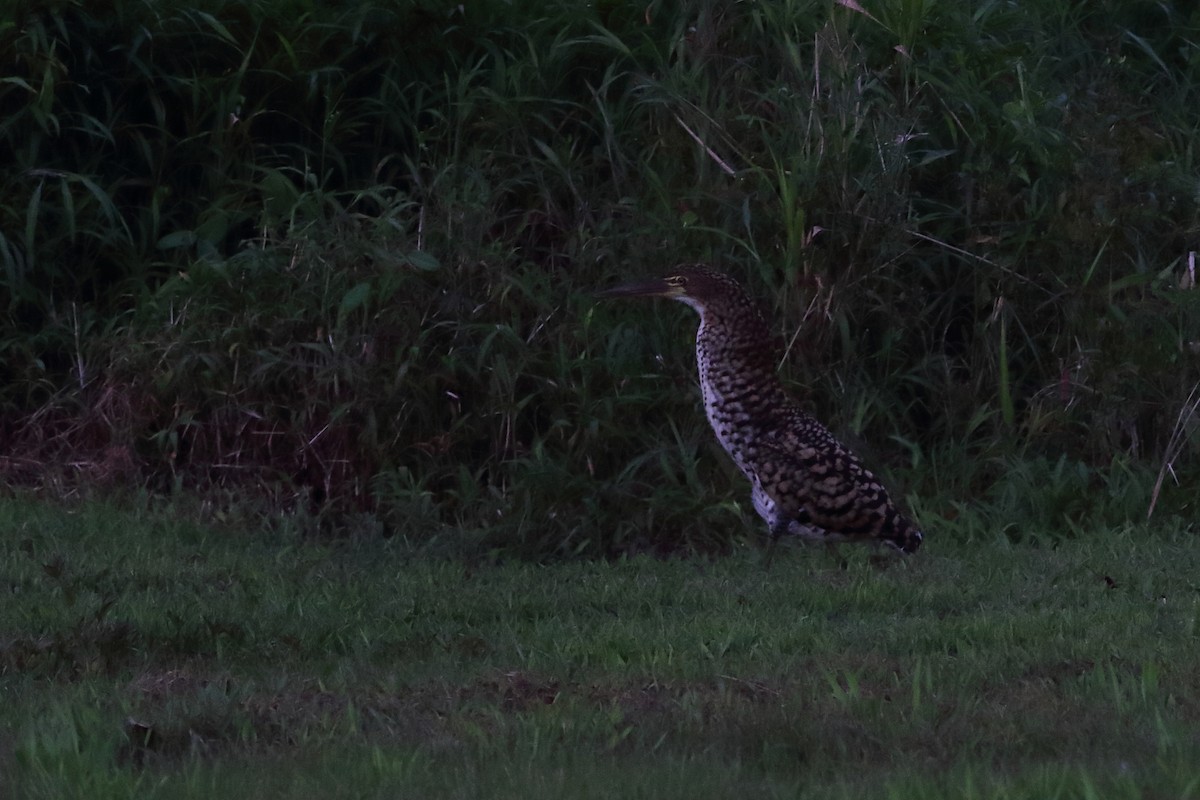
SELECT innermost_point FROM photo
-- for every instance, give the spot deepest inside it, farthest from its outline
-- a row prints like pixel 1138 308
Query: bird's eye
pixel 677 280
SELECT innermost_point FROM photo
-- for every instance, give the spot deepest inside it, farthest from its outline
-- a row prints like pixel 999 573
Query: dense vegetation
pixel 335 259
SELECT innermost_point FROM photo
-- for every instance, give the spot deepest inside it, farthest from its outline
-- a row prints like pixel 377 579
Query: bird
pixel 804 481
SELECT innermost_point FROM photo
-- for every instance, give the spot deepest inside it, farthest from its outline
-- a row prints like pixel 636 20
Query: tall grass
pixel 338 259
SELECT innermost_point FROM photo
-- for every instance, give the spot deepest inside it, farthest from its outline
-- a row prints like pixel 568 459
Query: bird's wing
pixel 812 476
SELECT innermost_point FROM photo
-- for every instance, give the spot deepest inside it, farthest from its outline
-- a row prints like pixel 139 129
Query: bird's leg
pixel 777 529
pixel 832 549
pixel 777 525
pixel 884 555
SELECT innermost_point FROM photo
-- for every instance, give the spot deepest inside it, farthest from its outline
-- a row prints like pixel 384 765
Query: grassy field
pixel 147 656
pixel 299 296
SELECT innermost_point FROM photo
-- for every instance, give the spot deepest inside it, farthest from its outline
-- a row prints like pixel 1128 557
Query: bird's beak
pixel 656 288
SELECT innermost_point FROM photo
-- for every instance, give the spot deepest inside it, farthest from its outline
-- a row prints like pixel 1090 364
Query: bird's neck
pixel 738 346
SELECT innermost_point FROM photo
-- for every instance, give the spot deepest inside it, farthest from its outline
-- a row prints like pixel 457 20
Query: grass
pixel 144 654
pixel 318 276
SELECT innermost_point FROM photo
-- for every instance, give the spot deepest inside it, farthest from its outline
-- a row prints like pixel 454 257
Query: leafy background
pixel 330 265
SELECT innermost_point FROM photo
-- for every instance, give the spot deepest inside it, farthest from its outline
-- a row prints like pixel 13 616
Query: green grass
pixel 147 656
pixel 320 275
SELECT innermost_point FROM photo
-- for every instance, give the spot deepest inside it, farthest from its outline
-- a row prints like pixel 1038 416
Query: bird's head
pixel 699 287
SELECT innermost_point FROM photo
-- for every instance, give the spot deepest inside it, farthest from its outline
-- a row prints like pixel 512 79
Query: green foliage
pixel 145 654
pixel 336 258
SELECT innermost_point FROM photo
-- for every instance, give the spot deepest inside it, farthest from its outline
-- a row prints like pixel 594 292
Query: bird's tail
pixel 903 535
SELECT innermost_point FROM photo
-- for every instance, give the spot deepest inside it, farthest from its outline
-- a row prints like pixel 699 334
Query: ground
pixel 142 653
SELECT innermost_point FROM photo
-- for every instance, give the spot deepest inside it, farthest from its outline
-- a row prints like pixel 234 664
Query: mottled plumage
pixel 805 482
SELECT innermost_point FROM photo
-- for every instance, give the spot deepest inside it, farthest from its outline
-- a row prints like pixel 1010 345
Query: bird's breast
pixel 742 394
pixel 735 413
